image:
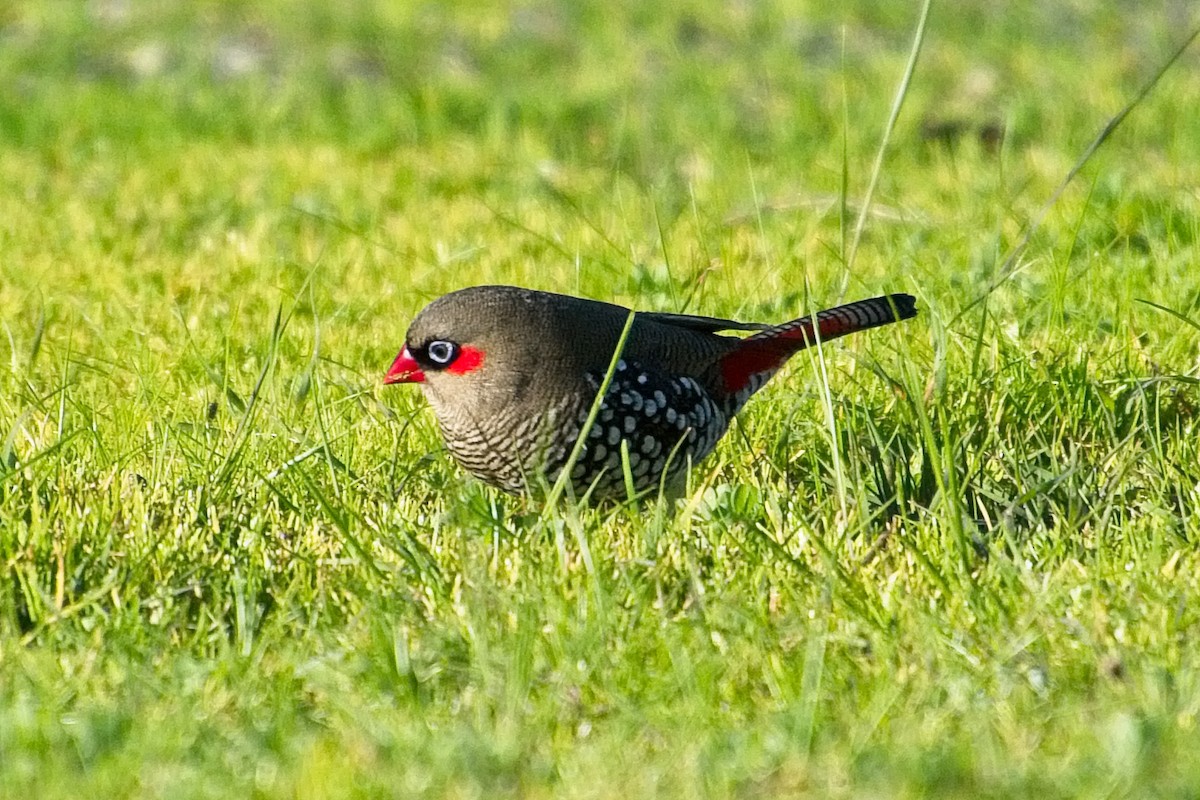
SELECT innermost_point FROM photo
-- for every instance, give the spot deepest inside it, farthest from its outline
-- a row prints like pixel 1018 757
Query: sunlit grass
pixel 235 564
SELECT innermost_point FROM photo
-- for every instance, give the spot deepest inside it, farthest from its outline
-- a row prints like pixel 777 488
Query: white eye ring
pixel 441 352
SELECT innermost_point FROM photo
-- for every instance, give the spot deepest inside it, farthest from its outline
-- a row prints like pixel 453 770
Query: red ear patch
pixel 469 359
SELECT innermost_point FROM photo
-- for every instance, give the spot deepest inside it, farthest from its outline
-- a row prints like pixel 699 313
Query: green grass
pixel 234 565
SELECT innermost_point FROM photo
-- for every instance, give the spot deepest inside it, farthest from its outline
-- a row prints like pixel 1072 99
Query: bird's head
pixel 478 351
pixel 451 338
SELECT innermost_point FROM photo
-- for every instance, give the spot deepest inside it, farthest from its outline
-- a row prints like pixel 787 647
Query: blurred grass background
pixel 233 566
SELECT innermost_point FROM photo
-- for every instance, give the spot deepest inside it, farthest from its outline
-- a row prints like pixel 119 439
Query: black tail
pixel 766 351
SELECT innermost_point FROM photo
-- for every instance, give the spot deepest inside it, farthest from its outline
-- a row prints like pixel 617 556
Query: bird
pixel 512 374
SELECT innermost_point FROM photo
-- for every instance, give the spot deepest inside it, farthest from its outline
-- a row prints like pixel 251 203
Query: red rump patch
pixel 767 351
pixel 468 359
pixel 742 364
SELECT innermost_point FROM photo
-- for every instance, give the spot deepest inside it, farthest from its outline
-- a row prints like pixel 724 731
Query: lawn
pixel 958 557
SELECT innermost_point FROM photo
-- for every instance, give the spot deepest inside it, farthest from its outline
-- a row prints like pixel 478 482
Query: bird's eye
pixel 441 352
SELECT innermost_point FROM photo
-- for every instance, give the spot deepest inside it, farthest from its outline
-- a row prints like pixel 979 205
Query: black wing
pixel 701 324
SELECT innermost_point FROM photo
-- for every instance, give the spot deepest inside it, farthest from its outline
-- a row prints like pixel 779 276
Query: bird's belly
pixel 509 452
pixel 647 432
